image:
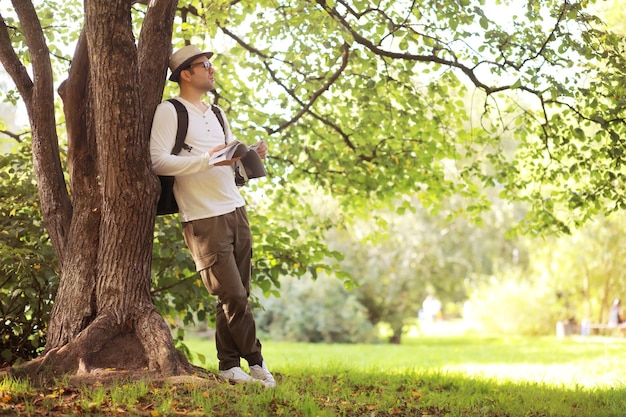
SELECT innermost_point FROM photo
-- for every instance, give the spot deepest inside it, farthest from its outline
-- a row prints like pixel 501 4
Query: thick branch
pixel 38 50
pixel 12 64
pixel 55 202
pixel 73 91
pixel 153 53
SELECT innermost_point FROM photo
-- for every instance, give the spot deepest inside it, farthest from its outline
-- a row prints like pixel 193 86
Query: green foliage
pixel 573 278
pixel 320 310
pixel 289 235
pixel 28 268
pixel 371 103
pixel 586 270
pixel 348 142
pixel 398 262
pixel 513 305
pixel 177 289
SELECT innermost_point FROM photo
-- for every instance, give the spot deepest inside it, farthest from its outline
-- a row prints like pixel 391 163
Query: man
pixel 211 209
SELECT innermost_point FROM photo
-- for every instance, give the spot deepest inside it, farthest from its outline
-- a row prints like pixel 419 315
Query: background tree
pixel 417 253
pixel 366 102
pixel 586 270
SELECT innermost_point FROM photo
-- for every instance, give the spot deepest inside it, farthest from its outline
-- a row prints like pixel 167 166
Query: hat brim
pixel 253 165
pixel 176 73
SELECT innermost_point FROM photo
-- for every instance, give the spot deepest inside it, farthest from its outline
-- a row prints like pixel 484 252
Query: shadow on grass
pixel 317 393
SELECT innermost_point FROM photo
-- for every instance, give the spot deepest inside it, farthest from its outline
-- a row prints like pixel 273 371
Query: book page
pixel 231 152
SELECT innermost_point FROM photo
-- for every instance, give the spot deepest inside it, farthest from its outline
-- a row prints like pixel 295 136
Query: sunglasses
pixel 207 65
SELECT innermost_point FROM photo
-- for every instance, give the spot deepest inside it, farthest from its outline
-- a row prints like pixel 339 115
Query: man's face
pixel 201 74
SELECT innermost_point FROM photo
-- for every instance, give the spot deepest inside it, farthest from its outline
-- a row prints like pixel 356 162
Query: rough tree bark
pixel 103 315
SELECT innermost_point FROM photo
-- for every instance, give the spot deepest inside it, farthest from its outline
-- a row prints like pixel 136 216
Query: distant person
pixel 431 308
pixel 616 318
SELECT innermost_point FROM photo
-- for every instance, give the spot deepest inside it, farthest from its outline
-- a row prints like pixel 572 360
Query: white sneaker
pixel 236 375
pixel 261 374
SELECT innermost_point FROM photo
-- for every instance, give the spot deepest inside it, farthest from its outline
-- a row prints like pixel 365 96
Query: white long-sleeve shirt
pixel 201 190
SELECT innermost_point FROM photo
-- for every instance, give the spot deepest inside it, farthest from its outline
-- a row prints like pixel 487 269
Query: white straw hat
pixel 181 59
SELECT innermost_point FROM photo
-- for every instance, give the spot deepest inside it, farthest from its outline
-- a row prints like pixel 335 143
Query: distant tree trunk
pixel 103 316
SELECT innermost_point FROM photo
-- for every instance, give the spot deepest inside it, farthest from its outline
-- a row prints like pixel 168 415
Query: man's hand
pixel 217 148
pixel 226 162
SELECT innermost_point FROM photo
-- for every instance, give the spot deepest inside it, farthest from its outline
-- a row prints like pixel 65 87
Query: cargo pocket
pixel 205 261
pixel 210 281
pixel 198 239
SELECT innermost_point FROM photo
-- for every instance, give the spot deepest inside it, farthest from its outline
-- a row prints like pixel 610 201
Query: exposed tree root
pixel 109 377
pixel 105 351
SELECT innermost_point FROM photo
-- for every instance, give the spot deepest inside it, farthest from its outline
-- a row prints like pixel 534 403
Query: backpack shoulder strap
pixel 220 118
pixel 183 123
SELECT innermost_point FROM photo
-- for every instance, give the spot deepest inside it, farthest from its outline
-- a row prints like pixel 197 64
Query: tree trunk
pixel 103 316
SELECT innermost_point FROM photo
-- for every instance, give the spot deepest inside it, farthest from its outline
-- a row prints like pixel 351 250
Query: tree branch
pixel 155 46
pixel 12 64
pixel 361 40
pixel 16 136
pixel 305 106
pixel 55 202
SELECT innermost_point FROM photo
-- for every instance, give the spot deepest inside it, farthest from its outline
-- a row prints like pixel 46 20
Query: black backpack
pixel 167 203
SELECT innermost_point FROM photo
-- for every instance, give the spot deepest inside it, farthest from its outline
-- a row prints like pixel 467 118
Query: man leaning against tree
pixel 212 212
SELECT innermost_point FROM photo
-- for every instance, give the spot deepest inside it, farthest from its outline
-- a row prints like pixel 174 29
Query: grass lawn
pixel 428 376
pixel 590 362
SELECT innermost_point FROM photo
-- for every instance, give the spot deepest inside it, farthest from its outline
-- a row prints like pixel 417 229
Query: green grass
pixel 577 361
pixel 426 376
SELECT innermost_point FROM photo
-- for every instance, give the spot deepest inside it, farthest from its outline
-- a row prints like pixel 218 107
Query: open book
pixel 233 150
pixel 249 164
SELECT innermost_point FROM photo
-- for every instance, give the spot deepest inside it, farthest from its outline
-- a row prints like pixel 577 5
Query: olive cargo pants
pixel 221 247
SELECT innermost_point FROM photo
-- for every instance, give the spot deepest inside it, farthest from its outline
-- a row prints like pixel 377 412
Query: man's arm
pixel 162 140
